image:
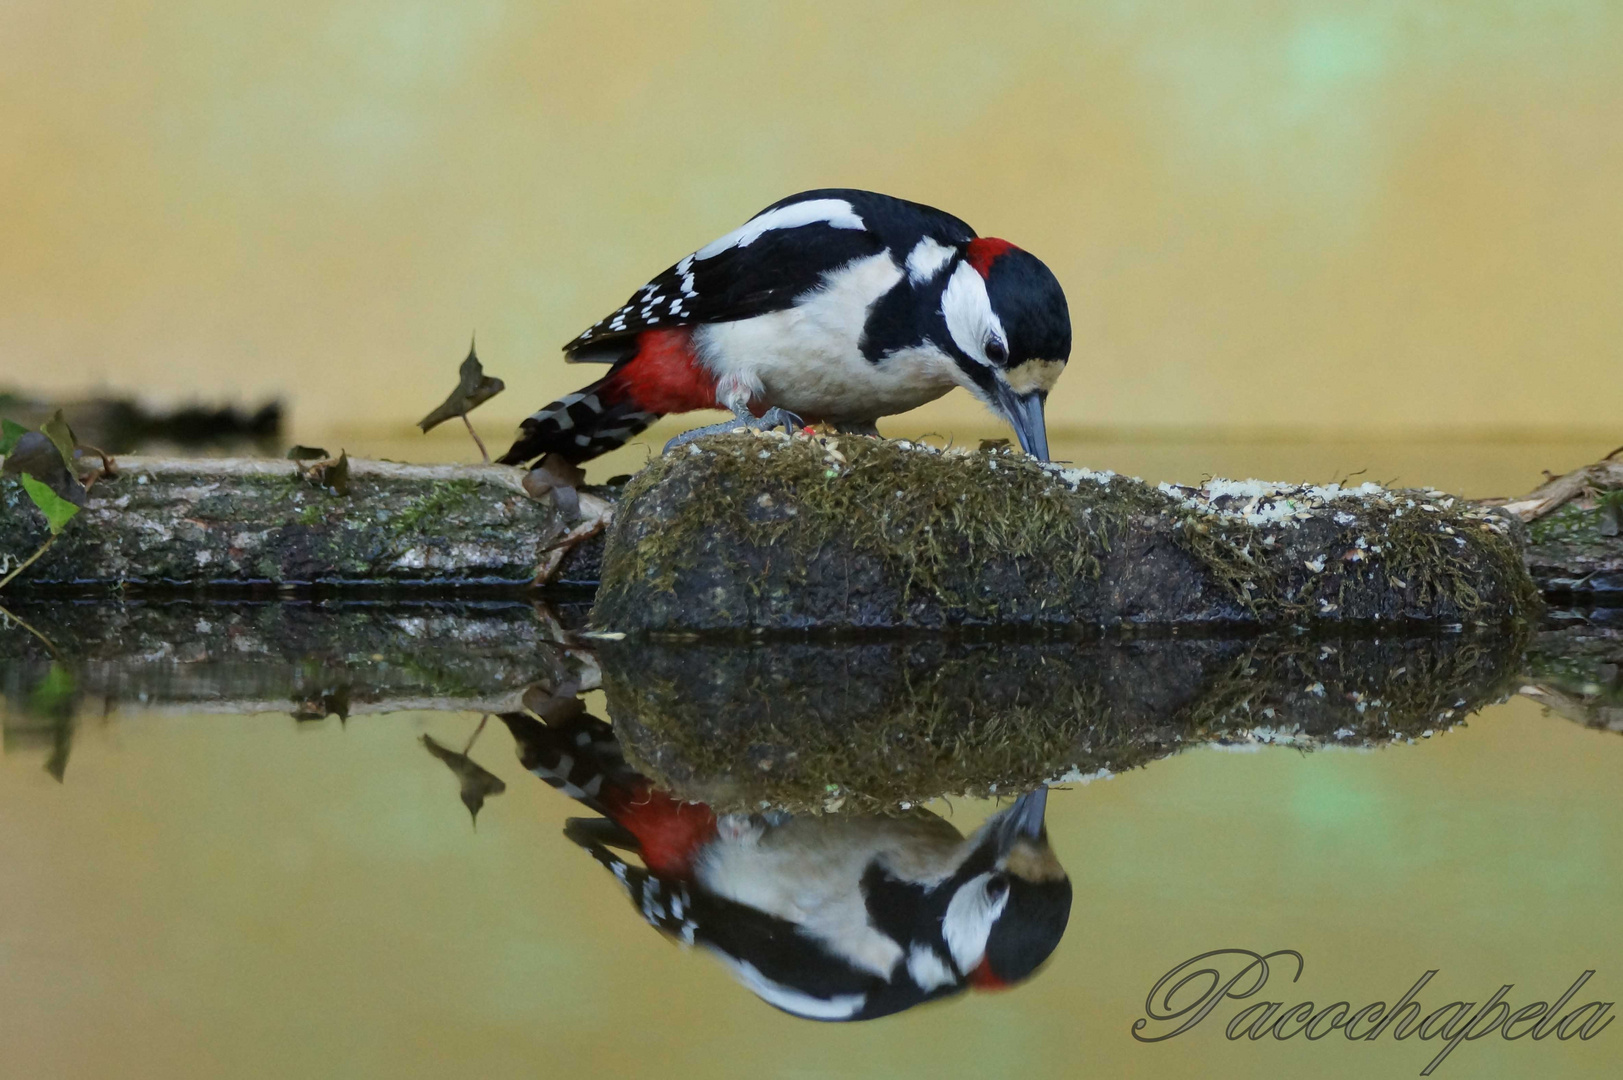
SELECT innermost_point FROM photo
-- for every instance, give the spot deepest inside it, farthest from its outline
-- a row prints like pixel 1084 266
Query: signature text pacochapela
pixel 1190 992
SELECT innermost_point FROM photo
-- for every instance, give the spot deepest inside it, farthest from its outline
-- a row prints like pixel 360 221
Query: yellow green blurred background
pixel 1349 219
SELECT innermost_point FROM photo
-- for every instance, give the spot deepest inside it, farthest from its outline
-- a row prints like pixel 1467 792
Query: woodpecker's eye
pixel 996 886
pixel 996 351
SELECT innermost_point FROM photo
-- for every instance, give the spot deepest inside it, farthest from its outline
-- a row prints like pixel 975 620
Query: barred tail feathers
pixel 658 372
pixel 580 426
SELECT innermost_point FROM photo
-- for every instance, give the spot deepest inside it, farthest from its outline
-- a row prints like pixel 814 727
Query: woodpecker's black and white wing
pixel 771 956
pixel 764 265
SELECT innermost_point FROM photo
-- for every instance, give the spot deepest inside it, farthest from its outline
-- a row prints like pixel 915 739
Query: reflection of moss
pixel 919 511
pixel 924 749
pixel 1358 689
pixel 808 728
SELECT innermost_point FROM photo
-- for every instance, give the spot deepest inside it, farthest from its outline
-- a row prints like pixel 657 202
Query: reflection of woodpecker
pixel 829 917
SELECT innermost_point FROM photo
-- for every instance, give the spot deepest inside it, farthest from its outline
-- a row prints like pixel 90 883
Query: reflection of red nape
pixel 982 978
pixel 983 251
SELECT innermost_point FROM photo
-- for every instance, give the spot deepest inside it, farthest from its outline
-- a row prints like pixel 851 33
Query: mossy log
pixel 972 539
pixel 760 531
pixel 808 726
pixel 247 521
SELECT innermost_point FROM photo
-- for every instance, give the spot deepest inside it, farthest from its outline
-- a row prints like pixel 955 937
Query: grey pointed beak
pixel 1025 817
pixel 1025 414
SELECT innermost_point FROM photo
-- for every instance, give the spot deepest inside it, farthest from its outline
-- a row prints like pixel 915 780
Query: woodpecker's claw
pixel 767 421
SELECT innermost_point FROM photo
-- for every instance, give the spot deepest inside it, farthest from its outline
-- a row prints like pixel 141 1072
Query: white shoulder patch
pixel 926 258
pixel 834 212
pixel 928 969
pixel 839 1007
pixel 968 313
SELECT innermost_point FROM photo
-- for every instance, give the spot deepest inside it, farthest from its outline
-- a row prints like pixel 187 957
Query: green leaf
pixel 53 696
pixel 36 456
pixel 10 432
pixel 57 510
pixel 474 388
pixel 56 429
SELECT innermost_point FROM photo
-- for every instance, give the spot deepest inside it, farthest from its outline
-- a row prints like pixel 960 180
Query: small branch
pixel 26 563
pixel 476 439
pixel 10 617
pixel 483 720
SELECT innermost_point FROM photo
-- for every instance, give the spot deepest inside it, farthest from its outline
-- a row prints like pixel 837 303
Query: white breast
pixel 809 871
pixel 808 357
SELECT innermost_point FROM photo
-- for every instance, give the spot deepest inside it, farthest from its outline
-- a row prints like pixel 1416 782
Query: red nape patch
pixel 981 976
pixel 668 832
pixel 665 375
pixel 983 251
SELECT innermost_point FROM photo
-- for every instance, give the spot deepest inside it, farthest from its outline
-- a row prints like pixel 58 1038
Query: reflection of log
pixel 1578 673
pixel 236 521
pixel 879 725
pixel 739 533
pixel 307 659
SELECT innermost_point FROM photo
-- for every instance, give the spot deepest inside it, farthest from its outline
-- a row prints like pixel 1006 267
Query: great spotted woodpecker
pixel 828 917
pixel 835 305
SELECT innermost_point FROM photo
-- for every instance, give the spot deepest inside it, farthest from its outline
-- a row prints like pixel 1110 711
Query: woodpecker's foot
pixel 772 418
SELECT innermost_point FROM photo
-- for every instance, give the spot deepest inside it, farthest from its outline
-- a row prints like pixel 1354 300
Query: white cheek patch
pixel 1034 375
pixel 968 312
pixel 969 919
pixel 926 258
pixel 836 213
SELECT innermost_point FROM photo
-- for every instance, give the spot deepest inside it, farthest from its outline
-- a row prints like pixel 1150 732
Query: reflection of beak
pixel 1024 820
pixel 1025 414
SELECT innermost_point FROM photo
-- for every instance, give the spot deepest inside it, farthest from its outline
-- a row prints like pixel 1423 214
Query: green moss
pixel 923 513
pixel 445 496
pixel 1430 556
pixel 1232 552
pixel 1573 523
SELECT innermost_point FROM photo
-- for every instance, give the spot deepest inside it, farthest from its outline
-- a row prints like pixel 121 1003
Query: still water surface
pixel 215 888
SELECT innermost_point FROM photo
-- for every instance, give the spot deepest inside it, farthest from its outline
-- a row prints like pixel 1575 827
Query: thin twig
pixel 477 440
pixel 11 617
pixel 26 563
pixel 483 720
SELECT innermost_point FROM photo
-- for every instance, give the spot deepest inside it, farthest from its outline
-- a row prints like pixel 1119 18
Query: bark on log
pixel 206 523
pixel 760 531
pixel 245 521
